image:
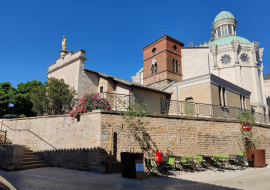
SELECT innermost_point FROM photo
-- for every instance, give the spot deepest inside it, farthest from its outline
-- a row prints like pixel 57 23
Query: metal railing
pixel 4 142
pixel 120 102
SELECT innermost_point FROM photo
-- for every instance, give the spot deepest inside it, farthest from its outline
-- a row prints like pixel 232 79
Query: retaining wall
pixel 84 144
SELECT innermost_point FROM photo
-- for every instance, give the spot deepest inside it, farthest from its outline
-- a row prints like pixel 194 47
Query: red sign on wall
pixel 246 127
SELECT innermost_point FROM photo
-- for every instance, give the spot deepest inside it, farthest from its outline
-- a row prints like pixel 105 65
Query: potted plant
pixel 134 119
pixel 252 139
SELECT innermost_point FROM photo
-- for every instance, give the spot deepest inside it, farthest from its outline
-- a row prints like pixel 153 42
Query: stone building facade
pixel 172 71
pixel 229 57
pixel 70 68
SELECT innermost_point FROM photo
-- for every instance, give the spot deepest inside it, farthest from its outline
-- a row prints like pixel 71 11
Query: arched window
pixel 154 69
pixel 176 66
pixel 173 62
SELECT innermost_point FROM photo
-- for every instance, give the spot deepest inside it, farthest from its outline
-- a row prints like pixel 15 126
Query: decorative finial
pixel 64 43
pixel 162 31
pixel 222 9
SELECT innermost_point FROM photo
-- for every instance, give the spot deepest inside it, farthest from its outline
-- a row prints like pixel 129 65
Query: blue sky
pixel 112 32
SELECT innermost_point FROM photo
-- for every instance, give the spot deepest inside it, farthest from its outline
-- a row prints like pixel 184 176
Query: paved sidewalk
pixel 60 178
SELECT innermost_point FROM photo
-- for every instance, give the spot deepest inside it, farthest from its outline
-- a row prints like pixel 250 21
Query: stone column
pixel 213 50
pixel 261 78
pixel 237 66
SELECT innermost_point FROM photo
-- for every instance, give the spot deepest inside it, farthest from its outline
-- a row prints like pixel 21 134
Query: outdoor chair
pixel 226 159
pixel 177 163
pixel 240 153
pixel 202 163
pixel 240 162
pixel 251 162
pixel 193 164
pixel 150 167
pixel 232 162
pixel 219 165
pixel 168 167
pixel 187 166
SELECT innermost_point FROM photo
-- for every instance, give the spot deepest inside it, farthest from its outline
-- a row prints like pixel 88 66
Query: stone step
pixel 28 150
pixel 33 162
pixel 29 159
pixel 29 153
pixel 35 166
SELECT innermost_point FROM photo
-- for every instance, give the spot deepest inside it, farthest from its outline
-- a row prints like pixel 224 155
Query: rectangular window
pixel 219 32
pixel 244 102
pixel 224 99
pixel 101 89
pixel 230 29
pixel 219 92
pixel 224 30
pixel 241 101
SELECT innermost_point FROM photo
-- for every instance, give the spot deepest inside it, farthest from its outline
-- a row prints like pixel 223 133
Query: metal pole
pixel 5 139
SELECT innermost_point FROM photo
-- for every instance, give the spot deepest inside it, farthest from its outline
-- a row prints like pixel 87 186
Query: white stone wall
pixel 267 91
pixel 194 62
pixel 89 83
pixel 122 89
pixel 70 69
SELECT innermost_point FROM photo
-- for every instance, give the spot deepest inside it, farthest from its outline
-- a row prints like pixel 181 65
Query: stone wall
pixel 54 132
pixel 84 144
pixel 180 135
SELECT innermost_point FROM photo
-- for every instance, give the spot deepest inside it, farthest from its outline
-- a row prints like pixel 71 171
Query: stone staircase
pixel 32 160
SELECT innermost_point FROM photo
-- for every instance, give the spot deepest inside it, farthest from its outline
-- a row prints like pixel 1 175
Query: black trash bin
pixel 128 168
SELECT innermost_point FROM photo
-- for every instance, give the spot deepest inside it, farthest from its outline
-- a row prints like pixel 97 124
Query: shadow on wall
pixel 86 159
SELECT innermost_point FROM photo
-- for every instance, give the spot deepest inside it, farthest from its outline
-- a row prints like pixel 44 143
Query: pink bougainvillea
pixel 89 103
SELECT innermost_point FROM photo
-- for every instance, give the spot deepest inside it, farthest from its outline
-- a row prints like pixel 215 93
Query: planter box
pixel 259 157
pixel 128 167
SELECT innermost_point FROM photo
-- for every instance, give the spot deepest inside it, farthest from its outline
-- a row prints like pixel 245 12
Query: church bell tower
pixel 162 62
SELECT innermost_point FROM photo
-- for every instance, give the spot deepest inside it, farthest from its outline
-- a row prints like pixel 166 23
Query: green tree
pixel 6 93
pixel 21 100
pixel 53 98
pixel 134 117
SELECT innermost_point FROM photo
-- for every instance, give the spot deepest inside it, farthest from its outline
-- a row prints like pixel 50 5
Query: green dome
pixel 227 40
pixel 222 15
pixel 141 70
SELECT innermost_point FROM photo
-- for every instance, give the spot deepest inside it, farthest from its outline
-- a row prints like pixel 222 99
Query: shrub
pixel 89 103
pixel 55 97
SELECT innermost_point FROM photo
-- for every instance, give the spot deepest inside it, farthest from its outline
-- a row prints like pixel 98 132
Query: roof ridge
pixel 127 82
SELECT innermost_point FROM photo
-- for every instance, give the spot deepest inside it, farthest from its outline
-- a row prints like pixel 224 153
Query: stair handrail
pixel 5 143
pixel 30 132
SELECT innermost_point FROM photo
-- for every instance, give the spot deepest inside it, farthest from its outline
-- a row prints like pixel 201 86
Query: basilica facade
pixel 230 59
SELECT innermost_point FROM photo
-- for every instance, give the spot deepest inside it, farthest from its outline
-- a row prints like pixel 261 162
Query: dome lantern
pixel 224 25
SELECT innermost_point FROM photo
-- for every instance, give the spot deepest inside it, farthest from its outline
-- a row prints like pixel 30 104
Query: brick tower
pixel 162 62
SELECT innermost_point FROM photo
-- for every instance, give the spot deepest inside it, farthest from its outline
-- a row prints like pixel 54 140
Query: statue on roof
pixel 190 44
pixel 64 43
